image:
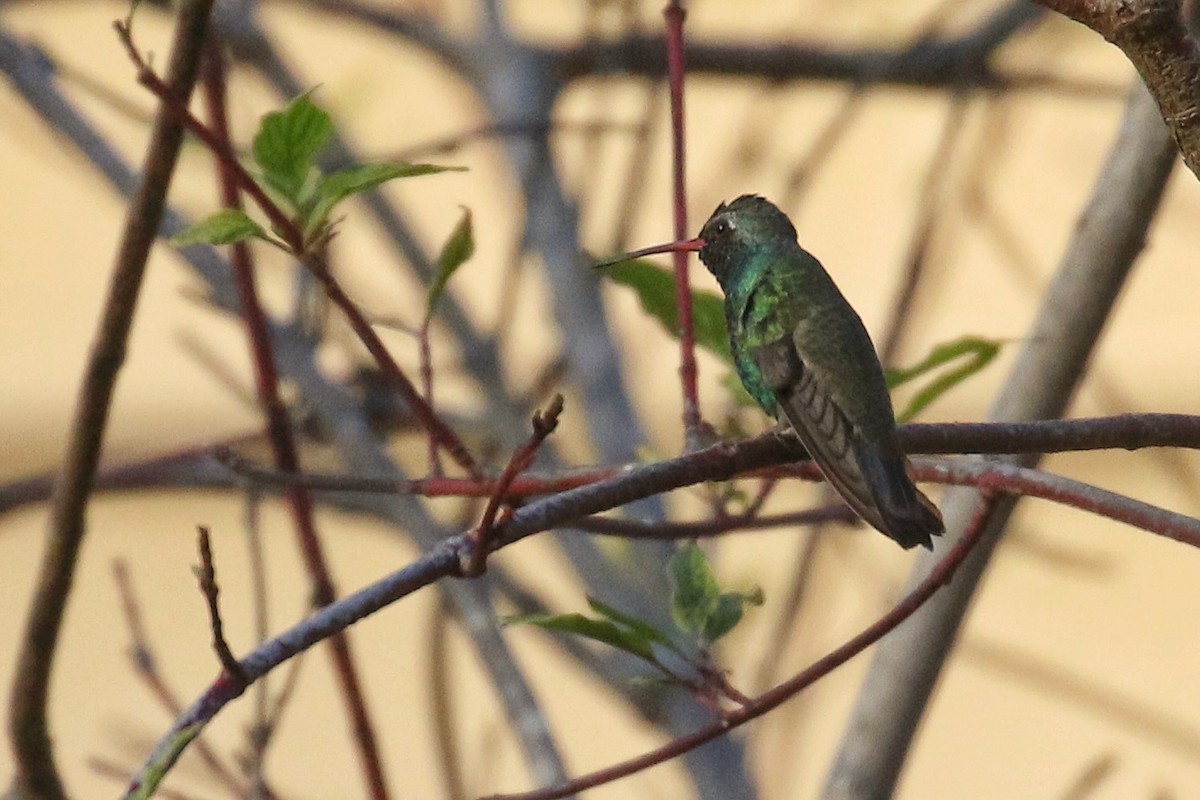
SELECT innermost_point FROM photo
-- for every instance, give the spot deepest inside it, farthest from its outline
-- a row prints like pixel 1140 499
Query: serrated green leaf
pixel 655 289
pixel 600 630
pixel 286 146
pixel 975 352
pixel 694 590
pixel 227 226
pixel 458 248
pixel 339 185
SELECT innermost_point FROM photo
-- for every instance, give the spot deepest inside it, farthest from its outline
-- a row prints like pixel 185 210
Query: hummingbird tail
pixel 909 517
pixel 869 473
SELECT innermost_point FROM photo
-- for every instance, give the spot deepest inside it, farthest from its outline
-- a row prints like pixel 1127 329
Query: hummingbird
pixel 804 355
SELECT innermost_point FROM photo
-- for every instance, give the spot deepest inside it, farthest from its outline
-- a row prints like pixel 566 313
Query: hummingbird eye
pixel 723 227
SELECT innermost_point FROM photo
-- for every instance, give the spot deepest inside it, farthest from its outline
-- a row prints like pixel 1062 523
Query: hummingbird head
pixel 739 230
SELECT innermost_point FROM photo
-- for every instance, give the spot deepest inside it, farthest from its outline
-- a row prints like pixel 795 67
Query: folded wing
pixel 869 475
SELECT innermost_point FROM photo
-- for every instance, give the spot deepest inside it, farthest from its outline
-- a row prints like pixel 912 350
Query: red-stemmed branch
pixel 674 14
pixel 295 240
pixel 771 699
pixel 718 462
pixel 282 438
pixel 484 534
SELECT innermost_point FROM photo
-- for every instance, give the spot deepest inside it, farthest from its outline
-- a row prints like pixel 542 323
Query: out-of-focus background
pixel 1076 675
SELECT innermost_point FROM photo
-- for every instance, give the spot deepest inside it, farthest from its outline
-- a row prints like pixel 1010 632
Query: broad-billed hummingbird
pixel 803 352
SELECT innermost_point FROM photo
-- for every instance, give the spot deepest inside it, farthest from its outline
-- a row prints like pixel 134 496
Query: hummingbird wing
pixel 870 476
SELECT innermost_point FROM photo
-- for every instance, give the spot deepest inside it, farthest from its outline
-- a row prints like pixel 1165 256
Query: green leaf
pixel 455 252
pixel 655 288
pixel 227 226
pixel 643 629
pixel 974 352
pixel 287 144
pixel 728 613
pixel 339 185
pixel 694 590
pixel 600 630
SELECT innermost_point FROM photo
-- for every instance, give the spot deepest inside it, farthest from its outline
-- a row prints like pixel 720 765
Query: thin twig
pixel 775 697
pixel 636 529
pixel 484 534
pixel 206 574
pixel 36 774
pixel 674 15
pixel 313 261
pixel 145 666
pixel 282 438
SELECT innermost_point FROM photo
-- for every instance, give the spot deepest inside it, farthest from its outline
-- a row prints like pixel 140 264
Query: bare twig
pixel 145 666
pixel 36 774
pixel 484 534
pixel 206 574
pixel 635 529
pixel 674 14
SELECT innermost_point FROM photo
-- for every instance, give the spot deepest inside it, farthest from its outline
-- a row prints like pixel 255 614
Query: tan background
pixel 1082 646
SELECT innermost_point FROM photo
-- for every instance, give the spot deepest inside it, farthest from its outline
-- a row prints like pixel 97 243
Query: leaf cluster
pixel 702 614
pixel 284 161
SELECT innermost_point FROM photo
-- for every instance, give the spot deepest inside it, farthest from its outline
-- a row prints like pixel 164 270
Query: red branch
pixel 674 14
pixel 484 534
pixel 294 238
pixel 280 434
pixel 785 691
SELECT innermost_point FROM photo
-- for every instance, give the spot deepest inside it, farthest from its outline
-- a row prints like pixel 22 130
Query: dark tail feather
pixel 909 517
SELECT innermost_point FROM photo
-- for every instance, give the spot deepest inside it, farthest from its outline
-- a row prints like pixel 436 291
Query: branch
pixel 675 14
pixel 315 263
pixel 283 440
pixel 719 462
pixel 1121 431
pixel 485 532
pixel 1154 36
pixel 36 774
pixel 206 574
pixel 145 666
pixel 785 691
pixel 1110 234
